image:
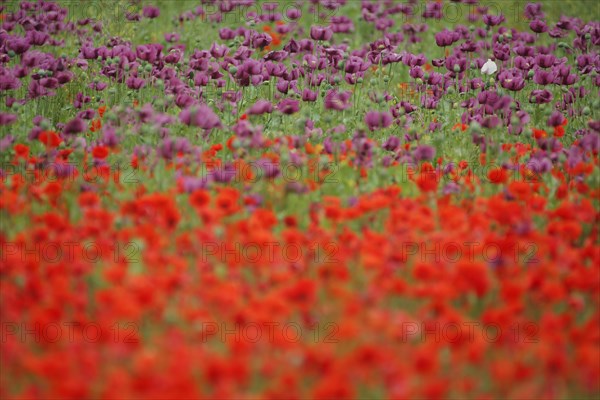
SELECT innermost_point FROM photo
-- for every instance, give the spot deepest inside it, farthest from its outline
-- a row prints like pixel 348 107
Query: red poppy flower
pixel 95 125
pixel 50 138
pixel 100 152
pixel 498 175
pixel 21 150
pixel 199 198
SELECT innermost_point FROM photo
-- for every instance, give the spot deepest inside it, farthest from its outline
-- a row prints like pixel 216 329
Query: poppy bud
pixel 45 125
pixel 475 127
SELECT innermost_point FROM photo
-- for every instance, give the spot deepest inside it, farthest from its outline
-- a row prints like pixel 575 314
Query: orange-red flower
pixel 50 138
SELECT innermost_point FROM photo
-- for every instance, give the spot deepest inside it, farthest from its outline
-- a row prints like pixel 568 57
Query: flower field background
pixel 299 199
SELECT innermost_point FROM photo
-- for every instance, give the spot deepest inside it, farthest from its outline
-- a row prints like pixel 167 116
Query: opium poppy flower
pixel 288 106
pixel 201 116
pixel 75 126
pixel 320 33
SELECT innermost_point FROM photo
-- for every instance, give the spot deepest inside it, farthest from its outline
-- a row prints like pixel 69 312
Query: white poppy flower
pixel 489 67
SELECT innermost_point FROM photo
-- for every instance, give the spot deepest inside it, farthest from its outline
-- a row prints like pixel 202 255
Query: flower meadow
pixel 328 199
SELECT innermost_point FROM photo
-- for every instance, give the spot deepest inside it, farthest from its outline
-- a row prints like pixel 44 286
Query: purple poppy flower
pixel 555 119
pixel 74 127
pixel 7 119
pixel 6 142
pixel 451 188
pixel 269 169
pixel 392 143
pixel 99 86
pixel 533 10
pixel 135 83
pixel 174 56
pixel 8 81
pixel 320 33
pixel 335 100
pixel 456 64
pixel 184 100
pixel 493 20
pixel 540 165
pixel 18 44
pixel 87 114
pixel 223 174
pixel 260 107
pixel 540 96
pixel 149 52
pixel 341 24
pixel 542 77
pixel 109 137
pixel 191 183
pixel 172 37
pixel 261 40
pixel 446 38
pixel 376 119
pixel 201 116
pixel 594 125
pixel 538 26
pixel 423 152
pixel 227 34
pixel 432 10
pixel 309 95
pixel 511 79
pixel 288 106
pixel 218 51
pixel 545 60
pixel 150 12
pixel 293 13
